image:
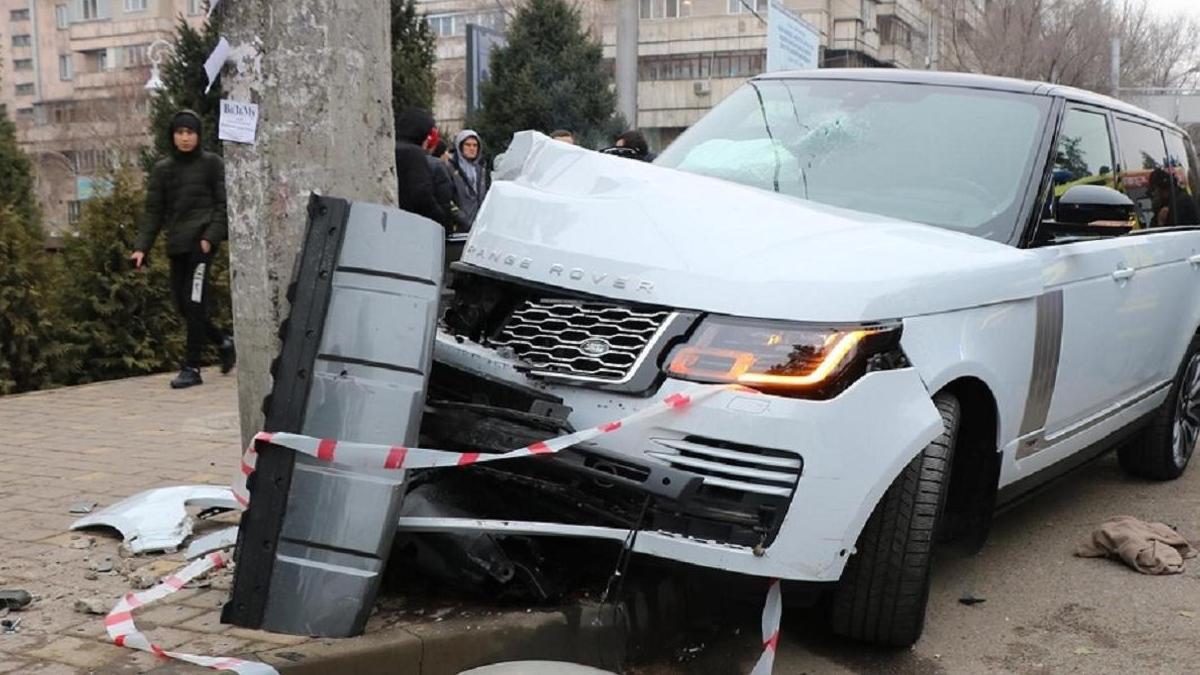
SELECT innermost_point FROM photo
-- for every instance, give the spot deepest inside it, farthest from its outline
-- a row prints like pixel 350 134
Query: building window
pixel 665 9
pixel 25 89
pixel 62 16
pixel 91 10
pixel 18 15
pixel 744 6
pixel 136 56
pixel 22 64
pixel 66 67
pixel 868 14
pixel 73 211
pixel 25 114
pixel 195 7
pixel 135 5
pixel 700 66
pixel 21 41
pixel 450 25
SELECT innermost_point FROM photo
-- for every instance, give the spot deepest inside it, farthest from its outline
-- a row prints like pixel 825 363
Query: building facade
pixel 73 79
pixel 694 53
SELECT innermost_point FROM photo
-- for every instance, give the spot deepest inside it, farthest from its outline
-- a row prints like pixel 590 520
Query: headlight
pixel 784 358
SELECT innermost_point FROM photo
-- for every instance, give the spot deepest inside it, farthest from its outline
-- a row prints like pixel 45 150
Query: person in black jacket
pixel 1172 204
pixel 443 189
pixel 414 128
pixel 185 196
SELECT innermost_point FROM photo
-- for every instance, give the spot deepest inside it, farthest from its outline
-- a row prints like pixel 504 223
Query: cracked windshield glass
pixel 950 157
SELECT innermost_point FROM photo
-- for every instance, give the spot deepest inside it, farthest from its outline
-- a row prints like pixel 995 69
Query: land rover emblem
pixel 595 347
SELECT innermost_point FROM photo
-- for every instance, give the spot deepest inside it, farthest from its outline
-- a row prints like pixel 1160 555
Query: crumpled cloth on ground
pixel 1150 548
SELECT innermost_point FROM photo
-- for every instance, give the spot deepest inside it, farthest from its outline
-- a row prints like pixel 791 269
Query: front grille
pixel 581 340
pixel 732 469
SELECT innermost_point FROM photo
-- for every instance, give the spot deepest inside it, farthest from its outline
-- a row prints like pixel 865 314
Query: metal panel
pixel 356 352
pixel 1046 349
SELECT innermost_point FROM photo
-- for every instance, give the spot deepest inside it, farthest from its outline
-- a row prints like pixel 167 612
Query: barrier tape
pixel 771 618
pixel 123 632
pixel 391 457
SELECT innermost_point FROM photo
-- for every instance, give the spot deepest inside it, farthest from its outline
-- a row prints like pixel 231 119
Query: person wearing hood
pixel 471 179
pixel 416 132
pixel 185 198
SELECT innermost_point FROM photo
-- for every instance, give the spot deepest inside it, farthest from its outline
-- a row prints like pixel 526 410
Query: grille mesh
pixel 572 339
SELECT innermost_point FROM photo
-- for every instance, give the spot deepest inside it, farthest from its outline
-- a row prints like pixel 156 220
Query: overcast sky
pixel 1175 6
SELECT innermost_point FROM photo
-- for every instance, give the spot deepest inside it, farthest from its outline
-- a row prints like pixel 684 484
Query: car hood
pixel 622 229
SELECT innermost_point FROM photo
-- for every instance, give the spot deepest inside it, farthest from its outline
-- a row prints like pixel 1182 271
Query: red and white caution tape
pixel 376 456
pixel 123 632
pixel 771 618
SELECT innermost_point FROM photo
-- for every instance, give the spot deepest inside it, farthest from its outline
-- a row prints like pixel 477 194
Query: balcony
pixel 90 35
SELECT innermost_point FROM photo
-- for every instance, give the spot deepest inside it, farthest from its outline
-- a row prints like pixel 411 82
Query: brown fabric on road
pixel 1150 548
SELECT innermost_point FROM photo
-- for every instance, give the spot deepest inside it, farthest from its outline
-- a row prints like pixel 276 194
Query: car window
pixel 1142 152
pixel 1083 155
pixel 946 156
pixel 1182 207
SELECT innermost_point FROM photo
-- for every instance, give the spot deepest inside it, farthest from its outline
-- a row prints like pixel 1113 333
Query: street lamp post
pixel 155 82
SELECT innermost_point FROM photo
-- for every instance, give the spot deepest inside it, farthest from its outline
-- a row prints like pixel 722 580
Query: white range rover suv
pixel 943 290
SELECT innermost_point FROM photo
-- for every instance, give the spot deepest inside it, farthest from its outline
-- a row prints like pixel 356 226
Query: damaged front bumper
pixel 743 482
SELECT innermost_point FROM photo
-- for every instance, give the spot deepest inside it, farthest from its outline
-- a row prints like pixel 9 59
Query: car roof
pixel 970 81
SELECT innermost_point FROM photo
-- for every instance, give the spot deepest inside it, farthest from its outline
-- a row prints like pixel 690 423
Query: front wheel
pixel 883 591
pixel 1163 450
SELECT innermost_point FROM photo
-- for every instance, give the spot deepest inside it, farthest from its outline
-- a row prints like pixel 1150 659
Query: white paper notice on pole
pixel 792 42
pixel 215 62
pixel 239 122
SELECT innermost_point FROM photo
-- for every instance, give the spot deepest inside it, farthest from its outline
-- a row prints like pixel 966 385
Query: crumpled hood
pixel 568 217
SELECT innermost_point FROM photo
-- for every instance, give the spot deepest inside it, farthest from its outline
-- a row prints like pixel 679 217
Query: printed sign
pixel 239 122
pixel 792 42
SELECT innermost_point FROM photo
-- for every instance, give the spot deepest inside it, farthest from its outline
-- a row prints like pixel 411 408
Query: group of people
pixel 447 183
pixel 185 197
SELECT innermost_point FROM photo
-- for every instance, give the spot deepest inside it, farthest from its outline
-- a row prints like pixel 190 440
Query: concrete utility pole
pixel 1114 73
pixel 320 72
pixel 627 60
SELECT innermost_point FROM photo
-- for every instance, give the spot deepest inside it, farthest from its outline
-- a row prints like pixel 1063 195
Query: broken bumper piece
pixel 157 520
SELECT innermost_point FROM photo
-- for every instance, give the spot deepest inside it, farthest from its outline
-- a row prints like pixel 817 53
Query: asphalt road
pixel 1046 611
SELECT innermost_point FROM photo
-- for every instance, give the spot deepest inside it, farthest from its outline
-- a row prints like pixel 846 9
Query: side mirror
pixel 1087 204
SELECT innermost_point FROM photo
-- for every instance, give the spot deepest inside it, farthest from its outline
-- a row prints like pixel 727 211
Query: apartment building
pixel 73 78
pixel 693 53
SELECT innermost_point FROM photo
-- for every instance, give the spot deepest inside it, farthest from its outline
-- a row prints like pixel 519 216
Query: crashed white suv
pixel 939 291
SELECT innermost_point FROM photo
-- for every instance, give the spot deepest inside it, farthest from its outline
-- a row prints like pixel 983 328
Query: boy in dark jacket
pixel 186 197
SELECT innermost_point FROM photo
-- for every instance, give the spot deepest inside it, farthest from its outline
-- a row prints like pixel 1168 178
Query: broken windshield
pixel 946 156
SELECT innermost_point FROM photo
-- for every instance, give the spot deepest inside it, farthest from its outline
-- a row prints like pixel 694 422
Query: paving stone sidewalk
pixel 101 443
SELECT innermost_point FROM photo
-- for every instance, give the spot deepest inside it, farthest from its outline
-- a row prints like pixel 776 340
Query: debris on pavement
pixel 103 566
pixel 157 520
pixel 970 599
pixel 91 575
pixel 213 541
pixel 92 606
pixel 82 542
pixel 82 507
pixel 10 625
pixel 15 599
pixel 1150 548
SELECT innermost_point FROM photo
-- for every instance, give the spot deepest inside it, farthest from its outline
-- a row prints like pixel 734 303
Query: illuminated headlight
pixel 784 358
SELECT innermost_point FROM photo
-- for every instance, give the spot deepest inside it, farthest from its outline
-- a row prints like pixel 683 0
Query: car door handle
pixel 1124 274
pixel 1195 260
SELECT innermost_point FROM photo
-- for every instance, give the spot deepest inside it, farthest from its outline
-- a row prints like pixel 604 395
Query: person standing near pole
pixel 185 197
pixel 471 178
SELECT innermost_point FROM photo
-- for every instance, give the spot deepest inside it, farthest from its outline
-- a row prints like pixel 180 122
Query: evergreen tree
pixel 413 54
pixel 115 321
pixel 16 178
pixel 24 323
pixel 550 75
pixel 184 81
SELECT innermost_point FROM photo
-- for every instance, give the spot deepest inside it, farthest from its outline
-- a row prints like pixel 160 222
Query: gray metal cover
pixel 368 385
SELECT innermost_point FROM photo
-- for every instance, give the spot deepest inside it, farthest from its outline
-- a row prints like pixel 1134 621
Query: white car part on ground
pixel 157 520
pixel 213 541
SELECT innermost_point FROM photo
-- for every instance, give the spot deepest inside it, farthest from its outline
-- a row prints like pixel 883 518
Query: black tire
pixel 1162 451
pixel 883 591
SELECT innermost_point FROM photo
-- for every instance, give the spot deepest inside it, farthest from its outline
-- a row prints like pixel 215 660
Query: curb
pixel 585 633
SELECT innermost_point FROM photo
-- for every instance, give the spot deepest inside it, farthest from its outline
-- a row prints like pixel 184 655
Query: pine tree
pixel 24 322
pixel 115 321
pixel 184 81
pixel 414 50
pixel 16 178
pixel 551 75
